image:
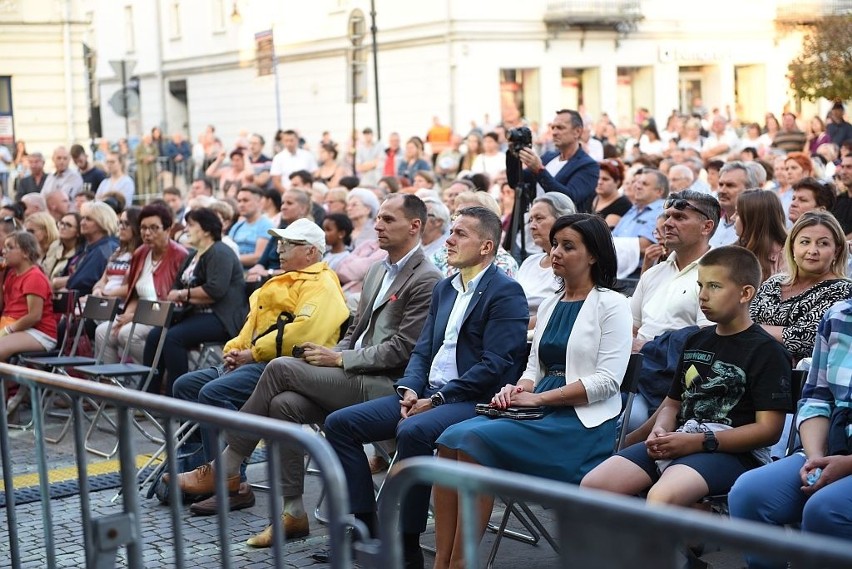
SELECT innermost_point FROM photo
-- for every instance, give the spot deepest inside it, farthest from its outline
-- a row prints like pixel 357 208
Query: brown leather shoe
pixel 202 480
pixel 293 528
pixel 243 499
pixel 378 464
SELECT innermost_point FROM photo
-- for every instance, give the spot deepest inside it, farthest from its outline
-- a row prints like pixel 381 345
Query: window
pixel 129 36
pixel 175 20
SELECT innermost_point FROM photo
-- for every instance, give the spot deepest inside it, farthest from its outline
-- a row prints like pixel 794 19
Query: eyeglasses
pixel 150 229
pixel 681 204
pixel 123 224
pixel 65 225
pixel 286 245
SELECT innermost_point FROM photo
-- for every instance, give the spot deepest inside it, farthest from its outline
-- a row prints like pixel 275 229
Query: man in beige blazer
pixel 363 366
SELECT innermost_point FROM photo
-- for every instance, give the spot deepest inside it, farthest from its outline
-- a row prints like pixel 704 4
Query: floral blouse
pixel 800 314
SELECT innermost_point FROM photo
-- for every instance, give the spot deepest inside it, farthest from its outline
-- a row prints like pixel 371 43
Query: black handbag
pixel 516 413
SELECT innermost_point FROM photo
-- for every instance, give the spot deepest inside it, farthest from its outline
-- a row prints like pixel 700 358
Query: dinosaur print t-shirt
pixel 726 379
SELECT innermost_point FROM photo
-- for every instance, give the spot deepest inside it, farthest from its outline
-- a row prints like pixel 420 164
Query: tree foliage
pixel 824 67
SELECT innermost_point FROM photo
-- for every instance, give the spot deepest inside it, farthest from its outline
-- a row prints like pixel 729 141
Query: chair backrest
pixel 629 386
pixel 156 313
pixel 64 305
pixel 797 383
pixel 97 309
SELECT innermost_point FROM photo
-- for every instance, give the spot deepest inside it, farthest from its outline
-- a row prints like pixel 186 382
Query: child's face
pixel 720 298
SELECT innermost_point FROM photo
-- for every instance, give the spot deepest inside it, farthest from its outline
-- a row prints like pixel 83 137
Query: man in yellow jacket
pixel 303 304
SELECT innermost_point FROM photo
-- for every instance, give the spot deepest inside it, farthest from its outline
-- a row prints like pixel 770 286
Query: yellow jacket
pixel 310 305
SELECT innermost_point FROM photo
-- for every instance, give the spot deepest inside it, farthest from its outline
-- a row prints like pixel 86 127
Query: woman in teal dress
pixel 580 349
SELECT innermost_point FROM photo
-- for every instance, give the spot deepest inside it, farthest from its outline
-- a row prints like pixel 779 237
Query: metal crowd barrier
pixel 104 536
pixel 595 529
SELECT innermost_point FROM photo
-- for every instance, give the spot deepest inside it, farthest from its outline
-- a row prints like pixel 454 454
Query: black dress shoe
pixel 413 558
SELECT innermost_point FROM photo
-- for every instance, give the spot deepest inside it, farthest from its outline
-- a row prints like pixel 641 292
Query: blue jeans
pixel 229 390
pixel 179 340
pixel 772 494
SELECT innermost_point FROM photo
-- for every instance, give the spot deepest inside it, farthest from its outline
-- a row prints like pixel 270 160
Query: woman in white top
pixel 579 355
pixel 492 161
pixel 118 181
pixel 536 275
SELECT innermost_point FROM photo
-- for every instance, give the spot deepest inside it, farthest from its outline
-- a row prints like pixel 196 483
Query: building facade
pixel 201 62
pixel 44 86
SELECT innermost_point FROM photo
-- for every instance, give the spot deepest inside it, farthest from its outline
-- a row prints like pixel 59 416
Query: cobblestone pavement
pixel 200 534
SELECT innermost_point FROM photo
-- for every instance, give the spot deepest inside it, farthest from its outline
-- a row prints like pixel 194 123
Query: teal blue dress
pixel 557 446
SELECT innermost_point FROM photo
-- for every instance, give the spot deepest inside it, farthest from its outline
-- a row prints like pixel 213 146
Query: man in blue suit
pixel 568 170
pixel 474 340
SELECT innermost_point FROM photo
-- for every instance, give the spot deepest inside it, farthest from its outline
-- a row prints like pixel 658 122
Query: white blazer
pixel 596 354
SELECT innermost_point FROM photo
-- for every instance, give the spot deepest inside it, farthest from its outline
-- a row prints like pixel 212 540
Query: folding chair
pixel 97 309
pixel 64 304
pixel 523 513
pixel 150 313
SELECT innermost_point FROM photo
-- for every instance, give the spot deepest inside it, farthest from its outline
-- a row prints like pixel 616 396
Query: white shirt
pixel 145 284
pixel 444 366
pixel 391 271
pixel 667 299
pixel 284 164
pixel 538 282
pixel 553 167
pixel 726 234
pixel 491 165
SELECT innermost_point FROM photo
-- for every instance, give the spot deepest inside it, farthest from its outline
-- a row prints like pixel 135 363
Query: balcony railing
pixel 810 11
pixel 621 15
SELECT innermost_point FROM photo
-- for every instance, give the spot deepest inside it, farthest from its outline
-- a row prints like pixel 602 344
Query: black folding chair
pixel 150 313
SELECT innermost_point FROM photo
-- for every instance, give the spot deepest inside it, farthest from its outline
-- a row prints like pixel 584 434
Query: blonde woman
pixel 43 228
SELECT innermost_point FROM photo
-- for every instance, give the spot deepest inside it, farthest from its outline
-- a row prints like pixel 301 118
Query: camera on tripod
pixel 519 138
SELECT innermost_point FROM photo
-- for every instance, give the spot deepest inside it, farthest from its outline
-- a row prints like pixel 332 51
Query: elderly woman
pixel 43 228
pixel 361 207
pixel 153 269
pixel 209 291
pixel 577 386
pixel 813 486
pixel 295 204
pixel 112 282
pixel 535 274
pixel 67 245
pixel 790 305
pixel 98 226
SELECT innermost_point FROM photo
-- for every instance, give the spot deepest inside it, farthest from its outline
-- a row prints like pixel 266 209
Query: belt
pixel 556 372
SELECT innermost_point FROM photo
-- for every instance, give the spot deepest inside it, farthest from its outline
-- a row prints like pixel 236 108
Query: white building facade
pixel 196 62
pixel 44 99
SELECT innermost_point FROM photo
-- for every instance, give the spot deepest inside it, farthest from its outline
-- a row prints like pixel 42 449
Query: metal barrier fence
pixel 595 529
pixel 103 536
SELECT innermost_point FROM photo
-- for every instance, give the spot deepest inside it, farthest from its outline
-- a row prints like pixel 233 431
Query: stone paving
pixel 200 534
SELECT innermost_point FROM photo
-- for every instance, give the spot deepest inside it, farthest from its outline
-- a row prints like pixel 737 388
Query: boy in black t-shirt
pixel 727 402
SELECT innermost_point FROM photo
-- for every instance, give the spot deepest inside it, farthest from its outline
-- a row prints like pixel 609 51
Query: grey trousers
pixel 292 390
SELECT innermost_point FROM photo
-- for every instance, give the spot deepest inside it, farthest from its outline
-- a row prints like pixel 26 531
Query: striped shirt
pixel 829 383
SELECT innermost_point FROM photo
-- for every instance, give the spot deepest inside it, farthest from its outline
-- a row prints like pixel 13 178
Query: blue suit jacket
pixel 577 179
pixel 492 343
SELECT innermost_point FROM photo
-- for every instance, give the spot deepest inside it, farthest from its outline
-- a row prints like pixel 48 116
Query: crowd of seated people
pixel 730 237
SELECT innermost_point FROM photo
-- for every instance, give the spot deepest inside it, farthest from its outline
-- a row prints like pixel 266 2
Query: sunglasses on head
pixel 681 204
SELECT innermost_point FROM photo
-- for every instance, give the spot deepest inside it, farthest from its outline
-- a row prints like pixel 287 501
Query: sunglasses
pixel 13 220
pixel 681 205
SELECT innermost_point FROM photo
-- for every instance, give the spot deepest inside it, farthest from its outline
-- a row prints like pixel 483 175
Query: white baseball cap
pixel 304 231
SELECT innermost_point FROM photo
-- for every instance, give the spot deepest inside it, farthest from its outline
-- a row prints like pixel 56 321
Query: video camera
pixel 519 138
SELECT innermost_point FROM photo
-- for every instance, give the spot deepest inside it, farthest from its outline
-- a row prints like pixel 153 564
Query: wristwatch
pixel 710 443
pixel 436 400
